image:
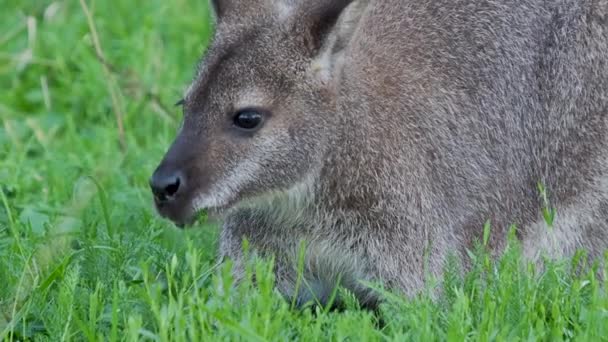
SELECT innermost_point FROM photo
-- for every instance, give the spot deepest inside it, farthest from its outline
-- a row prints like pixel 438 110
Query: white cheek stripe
pixel 228 187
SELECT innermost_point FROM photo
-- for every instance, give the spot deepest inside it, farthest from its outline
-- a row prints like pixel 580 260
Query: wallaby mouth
pixel 184 213
pixel 180 200
pixel 177 211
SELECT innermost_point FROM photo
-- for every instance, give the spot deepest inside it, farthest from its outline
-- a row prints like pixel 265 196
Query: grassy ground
pixel 84 257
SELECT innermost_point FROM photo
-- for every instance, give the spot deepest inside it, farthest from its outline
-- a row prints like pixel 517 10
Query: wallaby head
pixel 258 114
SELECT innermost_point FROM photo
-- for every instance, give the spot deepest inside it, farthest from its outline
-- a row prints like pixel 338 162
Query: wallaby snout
pixel 166 185
pixel 177 179
pixel 170 189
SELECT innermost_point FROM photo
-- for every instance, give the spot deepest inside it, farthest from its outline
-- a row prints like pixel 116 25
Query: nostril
pixel 165 187
pixel 171 189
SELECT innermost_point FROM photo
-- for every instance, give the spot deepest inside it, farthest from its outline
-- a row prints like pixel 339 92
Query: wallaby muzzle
pixel 171 183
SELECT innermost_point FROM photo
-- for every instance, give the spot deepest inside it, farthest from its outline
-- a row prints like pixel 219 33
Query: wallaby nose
pixel 166 185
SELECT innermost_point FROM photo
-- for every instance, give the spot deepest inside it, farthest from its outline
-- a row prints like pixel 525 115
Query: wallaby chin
pixel 375 138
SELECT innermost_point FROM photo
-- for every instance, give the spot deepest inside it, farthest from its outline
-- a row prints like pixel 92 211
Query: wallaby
pixel 382 134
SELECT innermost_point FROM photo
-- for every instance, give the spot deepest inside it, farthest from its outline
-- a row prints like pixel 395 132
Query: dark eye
pixel 248 119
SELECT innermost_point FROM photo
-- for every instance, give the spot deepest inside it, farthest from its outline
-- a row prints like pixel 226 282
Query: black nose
pixel 165 186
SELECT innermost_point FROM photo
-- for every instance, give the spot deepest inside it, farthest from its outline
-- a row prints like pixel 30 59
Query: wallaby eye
pixel 248 119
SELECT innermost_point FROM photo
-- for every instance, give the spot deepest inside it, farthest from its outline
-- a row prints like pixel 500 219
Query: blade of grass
pixel 110 82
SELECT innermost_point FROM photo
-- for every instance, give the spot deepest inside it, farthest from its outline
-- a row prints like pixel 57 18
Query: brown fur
pixel 397 128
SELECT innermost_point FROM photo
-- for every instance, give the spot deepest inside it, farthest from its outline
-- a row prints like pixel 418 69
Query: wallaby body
pixel 390 131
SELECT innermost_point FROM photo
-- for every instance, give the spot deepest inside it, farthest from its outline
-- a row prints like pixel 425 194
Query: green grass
pixel 83 256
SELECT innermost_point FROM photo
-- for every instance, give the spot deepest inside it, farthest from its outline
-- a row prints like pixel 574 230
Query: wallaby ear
pixel 321 18
pixel 332 25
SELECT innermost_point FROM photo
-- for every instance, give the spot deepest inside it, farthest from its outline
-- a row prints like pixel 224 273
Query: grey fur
pixel 397 131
